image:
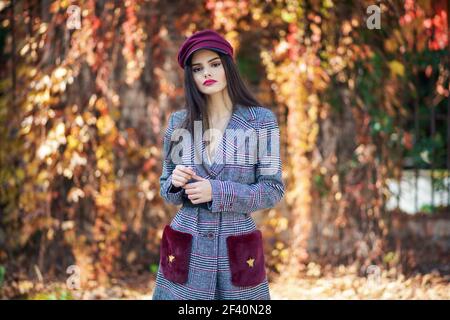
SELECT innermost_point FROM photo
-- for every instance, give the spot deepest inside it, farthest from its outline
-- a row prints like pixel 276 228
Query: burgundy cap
pixel 206 39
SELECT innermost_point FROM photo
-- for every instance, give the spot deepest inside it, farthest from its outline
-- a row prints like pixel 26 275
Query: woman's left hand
pixel 200 191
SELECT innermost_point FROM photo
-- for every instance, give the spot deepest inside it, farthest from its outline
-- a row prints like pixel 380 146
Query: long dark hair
pixel 196 108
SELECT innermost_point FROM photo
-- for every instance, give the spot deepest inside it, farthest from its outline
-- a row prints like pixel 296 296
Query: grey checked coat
pixel 238 189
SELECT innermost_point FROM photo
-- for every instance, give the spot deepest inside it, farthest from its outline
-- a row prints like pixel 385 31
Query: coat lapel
pixel 239 120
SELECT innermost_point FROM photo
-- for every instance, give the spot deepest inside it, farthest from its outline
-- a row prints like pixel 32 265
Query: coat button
pixel 210 235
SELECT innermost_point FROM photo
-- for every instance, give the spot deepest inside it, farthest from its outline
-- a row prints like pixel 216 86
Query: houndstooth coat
pixel 211 266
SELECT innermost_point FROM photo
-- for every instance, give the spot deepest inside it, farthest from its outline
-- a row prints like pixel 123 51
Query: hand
pixel 199 192
pixel 181 175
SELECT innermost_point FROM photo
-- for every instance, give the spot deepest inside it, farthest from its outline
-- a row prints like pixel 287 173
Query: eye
pixel 216 64
pixel 196 70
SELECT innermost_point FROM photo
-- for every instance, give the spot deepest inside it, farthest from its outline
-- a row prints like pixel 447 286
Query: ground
pixel 314 283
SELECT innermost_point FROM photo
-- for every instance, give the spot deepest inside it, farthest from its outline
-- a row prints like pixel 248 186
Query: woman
pixel 212 248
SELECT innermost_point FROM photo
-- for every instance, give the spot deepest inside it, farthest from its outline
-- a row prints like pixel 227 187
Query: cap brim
pixel 210 48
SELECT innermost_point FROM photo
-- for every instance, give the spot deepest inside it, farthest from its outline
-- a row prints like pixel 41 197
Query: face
pixel 208 72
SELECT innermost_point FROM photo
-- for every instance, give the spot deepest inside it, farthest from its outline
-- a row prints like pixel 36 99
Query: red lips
pixel 209 82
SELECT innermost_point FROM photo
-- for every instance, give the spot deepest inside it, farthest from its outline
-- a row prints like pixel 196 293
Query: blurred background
pixel 361 92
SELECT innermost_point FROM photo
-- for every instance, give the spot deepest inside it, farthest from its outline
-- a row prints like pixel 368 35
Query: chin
pixel 212 90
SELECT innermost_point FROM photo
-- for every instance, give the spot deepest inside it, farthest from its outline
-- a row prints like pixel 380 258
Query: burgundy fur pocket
pixel 175 253
pixel 246 256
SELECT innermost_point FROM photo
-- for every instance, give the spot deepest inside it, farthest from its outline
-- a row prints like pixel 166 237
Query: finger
pixel 194 184
pixel 180 180
pixel 187 186
pixel 191 191
pixel 187 170
pixel 182 174
pixel 194 196
pixel 196 177
pixel 191 185
pixel 191 170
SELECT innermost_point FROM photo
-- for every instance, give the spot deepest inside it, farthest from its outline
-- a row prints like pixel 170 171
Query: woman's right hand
pixel 181 175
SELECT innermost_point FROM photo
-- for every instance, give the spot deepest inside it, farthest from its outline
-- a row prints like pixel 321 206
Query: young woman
pixel 212 248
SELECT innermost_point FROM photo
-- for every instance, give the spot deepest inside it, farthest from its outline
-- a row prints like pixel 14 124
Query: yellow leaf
pixel 397 68
pixel 391 45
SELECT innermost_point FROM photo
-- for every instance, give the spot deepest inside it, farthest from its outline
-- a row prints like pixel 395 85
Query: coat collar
pixel 247 113
pixel 241 114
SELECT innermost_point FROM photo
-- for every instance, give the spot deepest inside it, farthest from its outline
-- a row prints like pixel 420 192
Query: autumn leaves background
pixel 82 114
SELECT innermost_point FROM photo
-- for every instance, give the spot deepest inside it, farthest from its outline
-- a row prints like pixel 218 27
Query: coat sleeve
pixel 230 196
pixel 169 192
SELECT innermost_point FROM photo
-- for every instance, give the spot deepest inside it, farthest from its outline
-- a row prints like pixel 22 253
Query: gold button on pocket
pixel 175 254
pixel 246 258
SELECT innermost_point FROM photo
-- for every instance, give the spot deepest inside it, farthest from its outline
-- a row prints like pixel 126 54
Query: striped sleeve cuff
pixel 222 196
pixel 172 193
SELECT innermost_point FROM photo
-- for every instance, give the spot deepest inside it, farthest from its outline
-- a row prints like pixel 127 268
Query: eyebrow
pixel 194 64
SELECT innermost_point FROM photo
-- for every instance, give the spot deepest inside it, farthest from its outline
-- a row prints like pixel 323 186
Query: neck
pixel 219 105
